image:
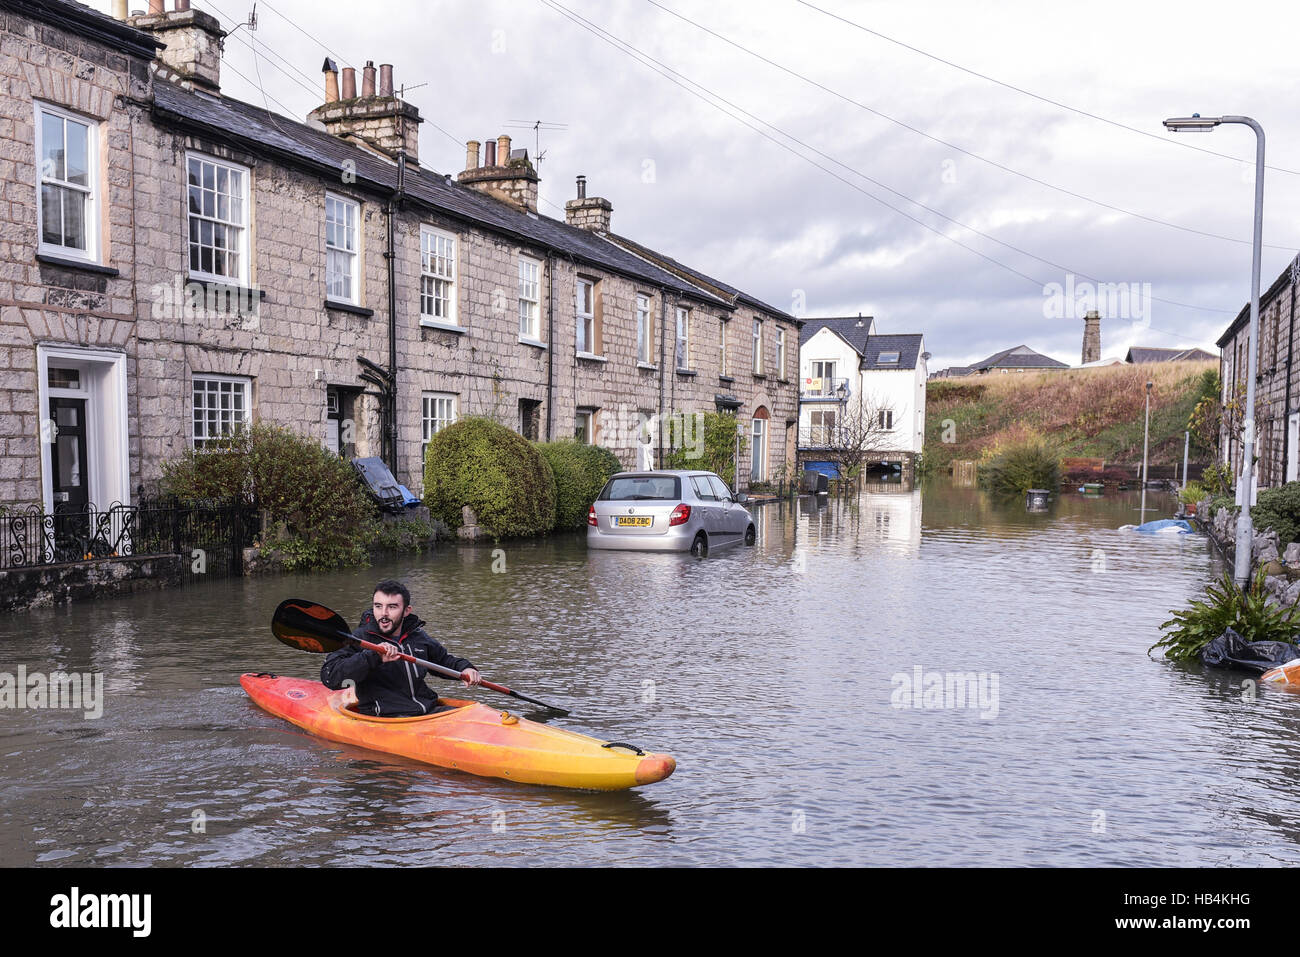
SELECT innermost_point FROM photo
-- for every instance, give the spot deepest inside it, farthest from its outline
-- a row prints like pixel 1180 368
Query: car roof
pixel 662 473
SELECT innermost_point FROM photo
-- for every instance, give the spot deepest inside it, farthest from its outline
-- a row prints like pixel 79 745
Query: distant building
pixel 847 372
pixel 1141 355
pixel 952 372
pixel 1018 359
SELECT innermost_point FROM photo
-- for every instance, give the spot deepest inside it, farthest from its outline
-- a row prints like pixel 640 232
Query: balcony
pixel 821 437
pixel 824 389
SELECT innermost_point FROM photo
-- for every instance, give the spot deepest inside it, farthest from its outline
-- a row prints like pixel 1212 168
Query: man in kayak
pixel 386 685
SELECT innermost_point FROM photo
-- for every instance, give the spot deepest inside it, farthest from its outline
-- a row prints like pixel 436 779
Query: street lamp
pixel 1146 432
pixel 1246 482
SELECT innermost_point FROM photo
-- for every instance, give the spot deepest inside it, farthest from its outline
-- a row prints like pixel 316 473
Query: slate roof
pixel 1019 357
pixel 301 145
pixel 1265 298
pixel 81 20
pixel 847 329
pixel 1142 354
pixel 709 283
pixel 952 372
pixel 908 347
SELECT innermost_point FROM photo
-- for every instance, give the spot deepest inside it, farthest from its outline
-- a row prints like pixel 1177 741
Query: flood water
pixel 772 673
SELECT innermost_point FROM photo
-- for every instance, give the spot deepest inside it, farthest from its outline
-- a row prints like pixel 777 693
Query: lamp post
pixel 1246 480
pixel 1146 432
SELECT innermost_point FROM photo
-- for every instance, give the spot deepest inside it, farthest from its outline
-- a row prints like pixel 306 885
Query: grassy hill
pixel 1085 412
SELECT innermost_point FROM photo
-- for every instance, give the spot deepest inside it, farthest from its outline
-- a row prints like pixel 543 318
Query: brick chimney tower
pixel 1092 336
pixel 506 174
pixel 588 213
pixel 194 40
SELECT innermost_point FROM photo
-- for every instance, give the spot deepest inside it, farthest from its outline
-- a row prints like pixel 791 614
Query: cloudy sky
pixel 772 152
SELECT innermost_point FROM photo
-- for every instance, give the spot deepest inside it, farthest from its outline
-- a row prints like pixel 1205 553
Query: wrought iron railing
pixel 30 536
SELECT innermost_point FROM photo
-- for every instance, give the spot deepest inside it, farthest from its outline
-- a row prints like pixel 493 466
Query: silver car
pixel 669 511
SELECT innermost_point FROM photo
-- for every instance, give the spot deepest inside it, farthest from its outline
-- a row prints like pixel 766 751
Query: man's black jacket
pixel 393 689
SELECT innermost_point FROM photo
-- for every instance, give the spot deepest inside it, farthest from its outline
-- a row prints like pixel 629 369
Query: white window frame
pixel 780 352
pixel 243 248
pixel 886 419
pixel 90 210
pixel 758 346
pixel 438 266
pixel 530 299
pixel 758 450
pixel 236 422
pixel 585 419
pixel 645 337
pixel 351 209
pixel 722 347
pixel 437 411
pixel 585 319
pixel 682 352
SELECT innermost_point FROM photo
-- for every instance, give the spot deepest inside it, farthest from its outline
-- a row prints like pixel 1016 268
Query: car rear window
pixel 641 487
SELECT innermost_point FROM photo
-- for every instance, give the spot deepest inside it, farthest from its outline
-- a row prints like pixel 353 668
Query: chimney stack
pixel 1092 336
pixel 379 121
pixel 193 41
pixel 504 175
pixel 471 154
pixel 588 213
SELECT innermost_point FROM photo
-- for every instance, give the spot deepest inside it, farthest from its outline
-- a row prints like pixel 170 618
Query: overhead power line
pixel 1057 103
pixel 953 146
pixel 671 74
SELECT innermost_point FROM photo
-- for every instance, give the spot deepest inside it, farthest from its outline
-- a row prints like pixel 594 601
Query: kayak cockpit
pixel 345 702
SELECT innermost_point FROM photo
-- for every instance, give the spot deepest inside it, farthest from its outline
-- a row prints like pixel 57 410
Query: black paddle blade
pixel 309 626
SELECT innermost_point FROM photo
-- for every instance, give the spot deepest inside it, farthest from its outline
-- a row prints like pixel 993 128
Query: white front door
pixel 1293 447
pixel 94 383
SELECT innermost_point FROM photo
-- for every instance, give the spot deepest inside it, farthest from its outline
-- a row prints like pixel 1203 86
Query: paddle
pixel 309 626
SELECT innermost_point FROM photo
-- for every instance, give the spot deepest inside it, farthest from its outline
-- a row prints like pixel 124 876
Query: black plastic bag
pixel 1230 650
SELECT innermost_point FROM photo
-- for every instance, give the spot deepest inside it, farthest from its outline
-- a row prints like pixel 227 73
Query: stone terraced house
pixel 175 263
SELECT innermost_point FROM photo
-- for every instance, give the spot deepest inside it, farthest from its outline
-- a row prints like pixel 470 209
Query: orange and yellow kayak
pixel 473 738
pixel 1287 675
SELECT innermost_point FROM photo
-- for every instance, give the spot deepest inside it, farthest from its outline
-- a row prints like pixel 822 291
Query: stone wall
pixel 45 585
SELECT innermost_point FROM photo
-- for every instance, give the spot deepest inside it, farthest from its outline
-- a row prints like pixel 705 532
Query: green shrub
pixel 408 535
pixel 1021 466
pixel 1227 605
pixel 1217 479
pixel 496 472
pixel 1279 509
pixel 1192 494
pixel 581 471
pixel 716 453
pixel 321 516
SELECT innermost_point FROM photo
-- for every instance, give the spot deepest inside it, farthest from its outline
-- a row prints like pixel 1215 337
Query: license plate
pixel 642 520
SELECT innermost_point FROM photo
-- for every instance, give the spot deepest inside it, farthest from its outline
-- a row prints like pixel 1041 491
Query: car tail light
pixel 680 516
pixel 591 515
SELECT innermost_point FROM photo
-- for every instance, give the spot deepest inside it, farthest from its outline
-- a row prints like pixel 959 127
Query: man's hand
pixel 388 652
pixel 471 677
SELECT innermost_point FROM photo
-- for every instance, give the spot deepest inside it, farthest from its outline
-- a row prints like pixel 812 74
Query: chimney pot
pixel 471 154
pixel 503 149
pixel 119 9
pixel 349 83
pixel 182 5
pixel 368 79
pixel 582 187
pixel 331 72
pixel 385 79
pixel 156 7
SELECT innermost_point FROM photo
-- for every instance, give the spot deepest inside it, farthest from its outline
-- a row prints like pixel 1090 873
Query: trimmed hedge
pixel 321 515
pixel 581 471
pixel 1279 509
pixel 496 472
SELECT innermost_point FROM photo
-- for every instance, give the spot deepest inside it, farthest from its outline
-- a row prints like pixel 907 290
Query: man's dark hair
pixel 391 586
